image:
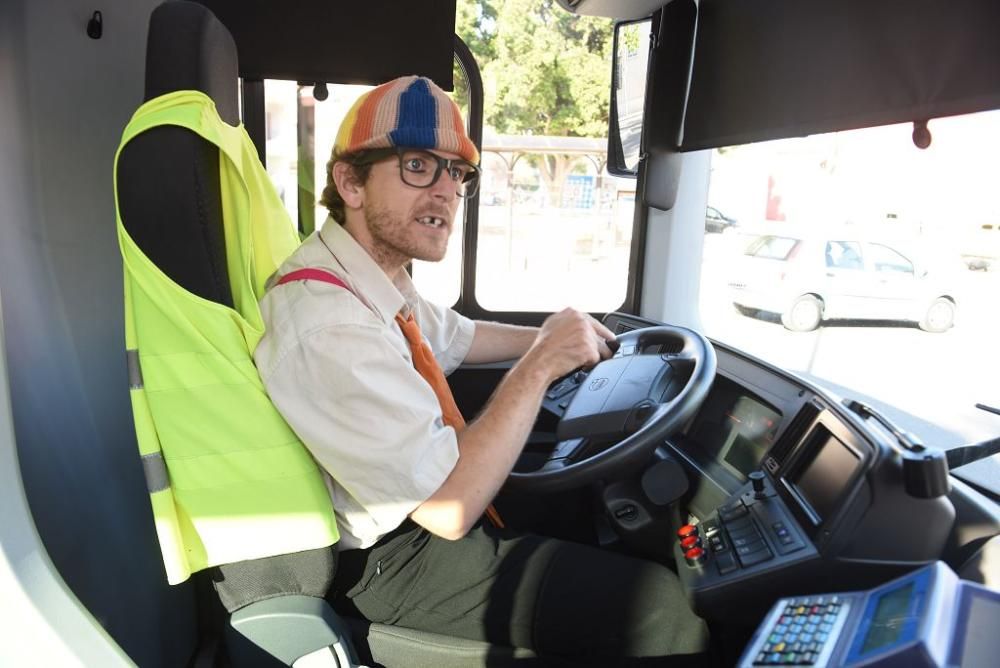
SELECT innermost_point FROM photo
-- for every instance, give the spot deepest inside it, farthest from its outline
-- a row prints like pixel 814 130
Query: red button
pixel 690 542
pixel 687 530
pixel 694 556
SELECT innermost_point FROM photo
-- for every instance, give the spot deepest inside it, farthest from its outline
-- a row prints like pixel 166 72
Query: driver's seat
pixel 171 206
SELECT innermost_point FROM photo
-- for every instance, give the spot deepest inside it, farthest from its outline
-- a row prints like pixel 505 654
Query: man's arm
pixel 489 446
pixel 497 341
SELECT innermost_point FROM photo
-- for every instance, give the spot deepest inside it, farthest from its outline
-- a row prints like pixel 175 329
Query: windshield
pixel 868 266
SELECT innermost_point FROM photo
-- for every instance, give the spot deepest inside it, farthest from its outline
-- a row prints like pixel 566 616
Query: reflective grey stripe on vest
pixel 155 470
pixel 134 370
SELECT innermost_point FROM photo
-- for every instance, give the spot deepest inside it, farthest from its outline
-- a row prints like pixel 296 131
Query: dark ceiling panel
pixel 341 41
pixel 767 69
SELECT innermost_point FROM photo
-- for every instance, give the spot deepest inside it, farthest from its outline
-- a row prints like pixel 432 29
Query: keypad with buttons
pixel 800 634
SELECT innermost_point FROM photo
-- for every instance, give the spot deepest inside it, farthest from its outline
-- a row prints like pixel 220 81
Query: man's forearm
pixel 497 341
pixel 488 448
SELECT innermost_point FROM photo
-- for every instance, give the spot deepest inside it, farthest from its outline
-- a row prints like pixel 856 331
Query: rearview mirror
pixel 628 96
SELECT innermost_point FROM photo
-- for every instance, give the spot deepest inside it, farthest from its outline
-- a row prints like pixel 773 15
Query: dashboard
pixel 780 490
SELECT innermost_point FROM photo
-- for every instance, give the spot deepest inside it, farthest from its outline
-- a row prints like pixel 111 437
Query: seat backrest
pixel 170 203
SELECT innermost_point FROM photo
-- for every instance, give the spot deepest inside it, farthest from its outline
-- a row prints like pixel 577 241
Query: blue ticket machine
pixel 928 618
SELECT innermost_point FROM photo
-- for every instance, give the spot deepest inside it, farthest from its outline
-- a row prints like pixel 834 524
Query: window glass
pixel 844 255
pixel 282 143
pixel 554 228
pixel 883 258
pixel 895 250
pixel 300 131
pixel 772 248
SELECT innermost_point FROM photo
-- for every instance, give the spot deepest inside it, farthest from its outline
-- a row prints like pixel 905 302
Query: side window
pixel 844 255
pixel 555 229
pixel 884 259
pixel 300 131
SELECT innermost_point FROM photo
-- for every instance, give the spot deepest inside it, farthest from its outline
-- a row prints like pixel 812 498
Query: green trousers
pixel 573 603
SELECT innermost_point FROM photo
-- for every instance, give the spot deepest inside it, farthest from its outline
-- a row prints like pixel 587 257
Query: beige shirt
pixel 340 372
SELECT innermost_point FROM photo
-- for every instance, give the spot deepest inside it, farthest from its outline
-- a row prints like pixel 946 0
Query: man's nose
pixel 445 188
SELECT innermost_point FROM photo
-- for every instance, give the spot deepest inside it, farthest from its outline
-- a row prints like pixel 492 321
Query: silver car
pixel 808 280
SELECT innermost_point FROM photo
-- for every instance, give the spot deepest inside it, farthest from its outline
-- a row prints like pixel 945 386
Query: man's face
pixel 404 222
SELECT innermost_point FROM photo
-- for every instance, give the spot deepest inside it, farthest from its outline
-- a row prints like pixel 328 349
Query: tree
pixel 475 23
pixel 545 72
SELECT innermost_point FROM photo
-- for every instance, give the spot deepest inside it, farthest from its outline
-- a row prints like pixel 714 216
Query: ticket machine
pixel 928 618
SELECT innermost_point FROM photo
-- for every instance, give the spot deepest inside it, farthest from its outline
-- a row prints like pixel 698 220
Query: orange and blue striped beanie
pixel 411 112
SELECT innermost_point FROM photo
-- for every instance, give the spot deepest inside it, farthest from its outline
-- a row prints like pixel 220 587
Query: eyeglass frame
pixel 379 154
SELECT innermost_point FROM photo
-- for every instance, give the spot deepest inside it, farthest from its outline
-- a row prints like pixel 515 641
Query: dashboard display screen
pixel 735 429
pixel 821 476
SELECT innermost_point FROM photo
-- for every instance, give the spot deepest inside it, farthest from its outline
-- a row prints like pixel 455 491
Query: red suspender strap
pixel 310 274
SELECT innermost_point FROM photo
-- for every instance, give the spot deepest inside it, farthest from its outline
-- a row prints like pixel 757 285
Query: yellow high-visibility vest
pixel 227 477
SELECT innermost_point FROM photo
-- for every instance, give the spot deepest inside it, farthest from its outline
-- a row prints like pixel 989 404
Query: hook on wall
pixel 95 26
pixel 921 134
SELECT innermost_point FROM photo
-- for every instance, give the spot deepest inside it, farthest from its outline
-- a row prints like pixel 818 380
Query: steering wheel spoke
pixel 569 449
pixel 552 466
pixel 681 361
pixel 564 453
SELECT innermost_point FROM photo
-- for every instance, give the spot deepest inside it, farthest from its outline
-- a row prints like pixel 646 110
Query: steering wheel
pixel 655 382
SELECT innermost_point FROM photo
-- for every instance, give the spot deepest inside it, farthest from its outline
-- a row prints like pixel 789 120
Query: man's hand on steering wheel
pixel 569 340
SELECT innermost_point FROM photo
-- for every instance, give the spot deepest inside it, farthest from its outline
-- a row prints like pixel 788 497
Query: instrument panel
pixel 791 492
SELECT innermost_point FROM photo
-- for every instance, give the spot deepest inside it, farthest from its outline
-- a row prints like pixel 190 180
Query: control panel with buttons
pixel 750 529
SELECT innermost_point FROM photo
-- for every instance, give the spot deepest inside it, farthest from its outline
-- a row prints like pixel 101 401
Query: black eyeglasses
pixel 422 169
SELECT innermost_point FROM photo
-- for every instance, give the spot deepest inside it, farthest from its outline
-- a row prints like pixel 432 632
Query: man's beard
pixel 394 245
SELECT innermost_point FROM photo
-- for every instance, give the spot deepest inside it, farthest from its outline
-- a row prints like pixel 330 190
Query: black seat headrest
pixel 188 48
pixel 169 196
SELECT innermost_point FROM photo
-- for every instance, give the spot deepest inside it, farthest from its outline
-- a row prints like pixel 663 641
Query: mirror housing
pixel 630 65
pixel 667 65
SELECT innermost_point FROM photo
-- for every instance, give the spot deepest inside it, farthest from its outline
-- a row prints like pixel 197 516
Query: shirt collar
pixel 387 296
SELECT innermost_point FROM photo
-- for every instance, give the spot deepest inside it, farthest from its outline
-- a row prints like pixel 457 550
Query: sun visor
pixel 341 42
pixel 769 69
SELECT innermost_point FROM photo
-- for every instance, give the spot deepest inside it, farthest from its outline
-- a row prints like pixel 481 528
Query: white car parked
pixel 809 280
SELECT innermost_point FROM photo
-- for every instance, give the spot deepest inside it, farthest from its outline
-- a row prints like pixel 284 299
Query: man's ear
pixel 351 190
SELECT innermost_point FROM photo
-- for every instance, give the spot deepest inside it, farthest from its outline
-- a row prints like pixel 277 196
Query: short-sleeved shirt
pixel 338 368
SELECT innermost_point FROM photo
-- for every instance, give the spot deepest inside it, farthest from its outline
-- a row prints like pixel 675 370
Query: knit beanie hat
pixel 411 112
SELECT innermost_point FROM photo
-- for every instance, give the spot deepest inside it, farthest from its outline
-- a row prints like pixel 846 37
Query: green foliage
pixel 545 71
pixel 630 39
pixel 475 24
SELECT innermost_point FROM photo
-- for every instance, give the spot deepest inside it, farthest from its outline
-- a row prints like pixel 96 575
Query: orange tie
pixel 427 366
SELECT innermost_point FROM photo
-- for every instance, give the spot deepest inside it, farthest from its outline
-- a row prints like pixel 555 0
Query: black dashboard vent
pixel 793 434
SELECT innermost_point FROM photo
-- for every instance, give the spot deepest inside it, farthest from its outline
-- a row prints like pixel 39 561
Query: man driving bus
pixel 355 361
